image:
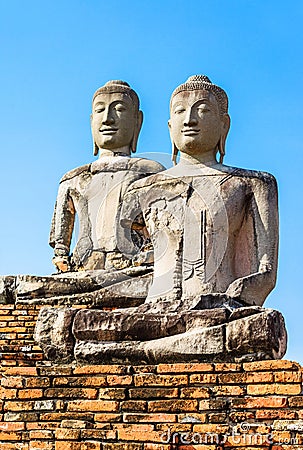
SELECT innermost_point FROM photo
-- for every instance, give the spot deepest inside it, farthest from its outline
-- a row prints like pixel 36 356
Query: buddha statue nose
pixel 108 117
pixel 190 118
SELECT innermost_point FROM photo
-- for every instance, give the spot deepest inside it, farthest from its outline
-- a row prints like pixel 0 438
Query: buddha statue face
pixel 115 119
pixel 199 122
pixel 196 125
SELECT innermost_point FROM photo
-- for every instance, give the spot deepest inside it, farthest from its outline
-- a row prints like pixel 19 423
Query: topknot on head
pixel 200 82
pixel 120 86
pixel 117 82
pixel 198 78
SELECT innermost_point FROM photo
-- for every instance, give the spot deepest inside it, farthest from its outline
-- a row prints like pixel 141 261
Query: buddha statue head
pixel 116 119
pixel 199 120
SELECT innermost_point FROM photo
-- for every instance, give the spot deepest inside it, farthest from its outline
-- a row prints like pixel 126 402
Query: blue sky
pixel 54 55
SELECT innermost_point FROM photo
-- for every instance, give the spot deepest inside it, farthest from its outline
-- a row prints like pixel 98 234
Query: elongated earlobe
pixel 96 149
pixel 222 141
pixel 134 142
pixel 174 154
pixel 221 148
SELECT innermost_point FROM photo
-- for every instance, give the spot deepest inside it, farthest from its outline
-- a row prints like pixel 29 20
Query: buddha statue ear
pixel 137 128
pixel 174 153
pixel 96 149
pixel 95 146
pixel 224 133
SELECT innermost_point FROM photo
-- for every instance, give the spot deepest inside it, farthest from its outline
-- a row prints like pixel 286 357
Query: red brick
pixel 213 403
pixel 160 380
pixel 9 436
pixel 75 424
pixel 8 393
pixel 98 369
pixel 36 382
pixel 246 377
pixel 136 432
pixel 125 446
pixel 118 380
pixel 71 393
pixel 98 434
pixel 30 393
pixel 23 371
pixel 12 382
pixel 55 370
pixel 12 426
pixel 185 368
pixel 149 393
pixel 195 392
pixel 107 417
pixel 93 405
pixel 288 377
pixel 280 364
pixel 203 378
pixel 296 402
pixel 266 389
pixel 112 393
pixel 9 446
pixel 228 367
pixel 67 434
pixel 59 416
pixel 40 434
pixel 19 406
pixel 134 405
pixel 275 414
pixel 155 418
pixel 228 390
pixel 80 381
pixel 41 425
pixel 144 369
pixel 65 445
pixel 259 402
pixel 173 406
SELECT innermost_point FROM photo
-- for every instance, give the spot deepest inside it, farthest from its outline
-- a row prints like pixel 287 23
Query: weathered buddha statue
pixel 214 231
pixel 93 193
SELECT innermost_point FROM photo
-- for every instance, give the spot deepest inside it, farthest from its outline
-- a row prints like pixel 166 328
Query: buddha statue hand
pixel 62 263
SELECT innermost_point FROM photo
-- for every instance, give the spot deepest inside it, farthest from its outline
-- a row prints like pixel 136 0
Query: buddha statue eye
pixel 99 109
pixel 203 109
pixel 120 108
pixel 179 110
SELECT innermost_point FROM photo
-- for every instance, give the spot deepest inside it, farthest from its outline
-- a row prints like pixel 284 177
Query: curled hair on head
pixel 123 87
pixel 199 82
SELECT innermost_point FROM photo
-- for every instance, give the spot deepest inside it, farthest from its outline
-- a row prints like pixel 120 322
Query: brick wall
pixel 176 406
pixel 251 405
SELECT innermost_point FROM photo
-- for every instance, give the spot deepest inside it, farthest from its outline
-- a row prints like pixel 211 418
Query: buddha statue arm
pixel 62 227
pixel 132 220
pixel 263 209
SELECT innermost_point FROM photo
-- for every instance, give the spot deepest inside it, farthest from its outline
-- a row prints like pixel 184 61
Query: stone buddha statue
pixel 93 193
pixel 214 231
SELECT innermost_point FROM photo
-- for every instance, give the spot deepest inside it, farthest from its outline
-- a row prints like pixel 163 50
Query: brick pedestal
pixel 167 406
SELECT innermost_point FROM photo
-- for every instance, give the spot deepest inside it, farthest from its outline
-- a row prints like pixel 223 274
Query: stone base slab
pixel 95 336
